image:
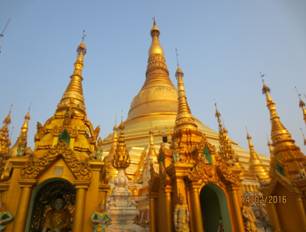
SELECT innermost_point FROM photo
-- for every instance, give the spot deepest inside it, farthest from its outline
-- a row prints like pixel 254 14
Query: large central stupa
pixel 154 109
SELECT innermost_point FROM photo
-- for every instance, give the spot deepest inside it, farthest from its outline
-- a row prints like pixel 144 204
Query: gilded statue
pixel 249 218
pixel 5 217
pixel 181 216
pixel 100 219
pixel 58 219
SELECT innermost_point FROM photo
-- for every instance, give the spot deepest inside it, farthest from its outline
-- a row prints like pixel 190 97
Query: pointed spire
pixel 287 158
pixel 157 68
pixel 148 163
pixel 255 162
pixel 73 95
pixel 218 116
pixel 304 138
pixel 253 154
pixel 225 145
pixel 121 159
pixel 155 46
pixel 21 142
pixel 5 141
pixel 184 117
pixel 301 104
pixel 115 141
pixel 279 134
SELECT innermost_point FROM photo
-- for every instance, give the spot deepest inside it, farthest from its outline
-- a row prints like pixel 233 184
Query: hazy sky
pixel 223 46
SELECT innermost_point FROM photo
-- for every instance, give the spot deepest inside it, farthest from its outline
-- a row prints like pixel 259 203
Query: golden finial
pixel 7 119
pixel 21 142
pixel 5 141
pixel 225 145
pixel 303 136
pixel 301 104
pixel 270 146
pixel 155 48
pixel 73 96
pixel 25 124
pixel 184 117
pixel 253 154
pixel 81 50
pixel 218 116
pixel 121 159
pixel 265 88
pixel 155 30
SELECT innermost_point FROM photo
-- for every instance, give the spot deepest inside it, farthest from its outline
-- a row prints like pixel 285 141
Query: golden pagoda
pixel 61 175
pixel 285 193
pixel 161 167
pixel 155 108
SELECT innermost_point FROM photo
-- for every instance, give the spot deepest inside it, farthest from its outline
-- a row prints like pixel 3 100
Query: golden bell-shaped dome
pixel 158 94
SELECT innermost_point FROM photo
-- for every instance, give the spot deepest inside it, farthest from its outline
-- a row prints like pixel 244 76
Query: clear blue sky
pixel 223 46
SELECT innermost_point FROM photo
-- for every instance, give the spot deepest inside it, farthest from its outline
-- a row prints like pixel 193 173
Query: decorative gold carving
pixel 203 172
pixel 79 169
pixel 227 173
pixel 5 141
pixel 121 159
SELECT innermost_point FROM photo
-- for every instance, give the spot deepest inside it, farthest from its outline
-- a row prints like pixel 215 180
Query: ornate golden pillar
pixel 234 195
pixel 197 219
pixel 23 205
pixel 153 197
pixel 81 189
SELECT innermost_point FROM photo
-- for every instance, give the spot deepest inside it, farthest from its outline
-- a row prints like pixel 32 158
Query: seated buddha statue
pixel 58 219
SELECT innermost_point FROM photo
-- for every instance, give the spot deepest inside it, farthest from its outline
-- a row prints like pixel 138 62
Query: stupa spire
pixel 255 162
pixel 270 146
pixel 253 154
pixel 73 95
pixel 184 117
pixel 121 159
pixel 304 138
pixel 158 94
pixel 114 140
pixel 279 134
pixel 302 104
pixel 157 70
pixel 5 141
pixel 225 145
pixel 287 157
pixel 21 142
